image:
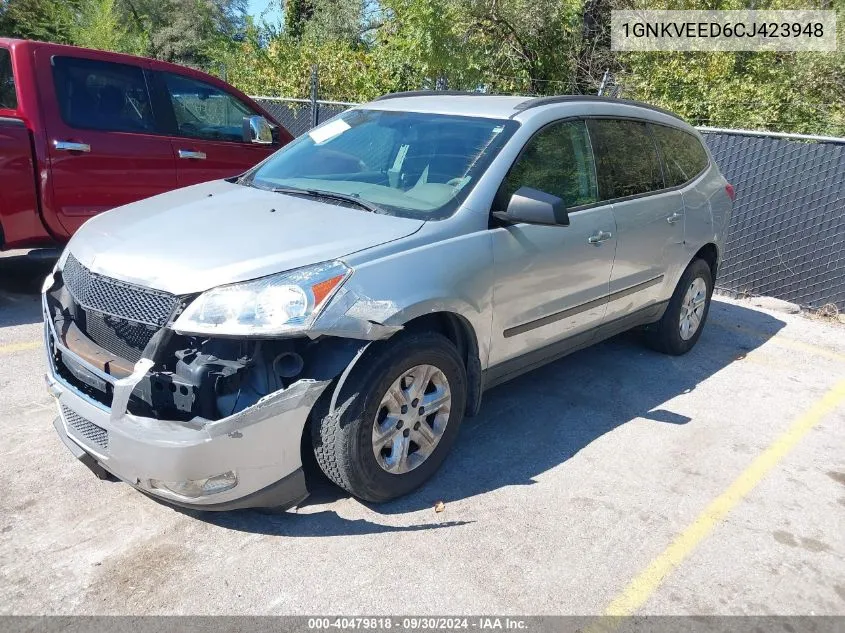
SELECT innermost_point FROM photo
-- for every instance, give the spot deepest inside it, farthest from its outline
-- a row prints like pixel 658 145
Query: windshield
pixel 404 163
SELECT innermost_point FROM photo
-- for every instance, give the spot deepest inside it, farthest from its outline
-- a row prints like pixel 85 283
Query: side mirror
pixel 532 206
pixel 258 130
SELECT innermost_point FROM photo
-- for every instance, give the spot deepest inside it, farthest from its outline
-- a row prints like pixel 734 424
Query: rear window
pixel 626 158
pixel 8 98
pixel 683 154
pixel 98 95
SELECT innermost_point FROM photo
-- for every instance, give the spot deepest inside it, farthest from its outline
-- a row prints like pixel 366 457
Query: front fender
pixel 453 275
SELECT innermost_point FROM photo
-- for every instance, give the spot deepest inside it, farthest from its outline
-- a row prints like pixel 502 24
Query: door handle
pixel 674 217
pixel 598 238
pixel 187 153
pixel 70 146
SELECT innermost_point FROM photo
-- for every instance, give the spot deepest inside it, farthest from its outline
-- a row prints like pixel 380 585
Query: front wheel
pixel 397 417
pixel 680 327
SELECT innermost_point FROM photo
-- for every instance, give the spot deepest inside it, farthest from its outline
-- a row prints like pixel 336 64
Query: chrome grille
pixel 86 430
pixel 117 298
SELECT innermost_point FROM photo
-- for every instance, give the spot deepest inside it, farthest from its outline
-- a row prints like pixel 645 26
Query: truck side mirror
pixel 532 206
pixel 257 130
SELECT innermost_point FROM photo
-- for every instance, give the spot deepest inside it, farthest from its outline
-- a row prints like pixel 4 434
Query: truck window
pixel 97 95
pixel 204 111
pixel 8 97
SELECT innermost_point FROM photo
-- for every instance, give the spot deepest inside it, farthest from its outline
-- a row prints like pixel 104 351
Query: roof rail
pixel 536 102
pixel 434 93
pixel 530 102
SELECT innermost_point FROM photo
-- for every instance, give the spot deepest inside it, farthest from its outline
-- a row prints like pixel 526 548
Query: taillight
pixel 731 191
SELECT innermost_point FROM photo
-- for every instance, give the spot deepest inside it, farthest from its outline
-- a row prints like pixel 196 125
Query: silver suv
pixel 354 295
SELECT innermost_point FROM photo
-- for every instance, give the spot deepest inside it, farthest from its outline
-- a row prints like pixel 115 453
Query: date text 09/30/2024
pixel 418 623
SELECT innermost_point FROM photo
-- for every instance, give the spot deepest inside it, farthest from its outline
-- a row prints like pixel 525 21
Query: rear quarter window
pixel 8 97
pixel 683 155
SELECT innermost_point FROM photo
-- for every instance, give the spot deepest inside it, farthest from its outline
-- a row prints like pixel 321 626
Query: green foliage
pixel 297 14
pixel 190 32
pixel 791 92
pixel 45 20
pixel 423 42
pixel 364 48
pixel 99 25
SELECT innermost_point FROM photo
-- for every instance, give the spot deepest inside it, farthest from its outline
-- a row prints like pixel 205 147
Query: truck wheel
pixel 680 327
pixel 396 418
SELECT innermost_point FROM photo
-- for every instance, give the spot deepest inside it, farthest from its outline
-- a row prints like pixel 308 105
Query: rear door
pixel 684 160
pixel 649 218
pixel 206 128
pixel 104 146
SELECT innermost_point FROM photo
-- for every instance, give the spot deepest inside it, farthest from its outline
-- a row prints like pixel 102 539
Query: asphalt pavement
pixel 614 480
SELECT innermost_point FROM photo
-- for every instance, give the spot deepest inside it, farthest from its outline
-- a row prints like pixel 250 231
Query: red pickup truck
pixel 84 131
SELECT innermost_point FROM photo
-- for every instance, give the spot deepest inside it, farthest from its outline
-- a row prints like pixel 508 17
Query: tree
pixel 45 20
pixel 336 20
pixel 189 32
pixel 297 13
pixel 99 25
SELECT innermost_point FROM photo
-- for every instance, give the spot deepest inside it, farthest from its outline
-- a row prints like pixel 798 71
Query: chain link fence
pixel 787 233
pixel 300 115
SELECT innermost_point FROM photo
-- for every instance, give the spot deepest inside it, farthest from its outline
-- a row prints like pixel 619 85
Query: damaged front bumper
pixel 249 459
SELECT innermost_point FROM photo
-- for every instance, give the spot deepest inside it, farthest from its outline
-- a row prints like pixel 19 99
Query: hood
pixel 217 233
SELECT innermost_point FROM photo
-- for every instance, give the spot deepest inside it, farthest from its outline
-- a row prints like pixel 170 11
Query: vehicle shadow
pixel 538 421
pixel 323 523
pixel 21 277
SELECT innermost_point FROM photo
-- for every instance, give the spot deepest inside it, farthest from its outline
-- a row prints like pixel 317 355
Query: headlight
pixel 278 304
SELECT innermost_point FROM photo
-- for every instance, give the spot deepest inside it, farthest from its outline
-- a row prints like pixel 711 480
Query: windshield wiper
pixel 328 195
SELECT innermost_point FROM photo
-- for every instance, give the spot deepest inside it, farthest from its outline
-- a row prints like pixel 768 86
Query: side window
pixel 626 158
pixel 99 95
pixel 683 155
pixel 8 98
pixel 557 160
pixel 204 111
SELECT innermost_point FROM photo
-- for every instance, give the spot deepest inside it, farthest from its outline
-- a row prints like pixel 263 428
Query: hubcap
pixel 411 419
pixel 692 308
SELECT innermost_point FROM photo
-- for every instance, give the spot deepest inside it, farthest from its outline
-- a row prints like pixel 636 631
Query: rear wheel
pixel 679 329
pixel 397 416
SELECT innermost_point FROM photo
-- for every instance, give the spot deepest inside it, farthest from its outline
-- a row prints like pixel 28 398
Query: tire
pixel 666 335
pixel 345 443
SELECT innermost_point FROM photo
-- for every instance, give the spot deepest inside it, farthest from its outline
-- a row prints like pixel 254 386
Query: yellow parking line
pixel 11 348
pixel 798 346
pixel 783 341
pixel 649 580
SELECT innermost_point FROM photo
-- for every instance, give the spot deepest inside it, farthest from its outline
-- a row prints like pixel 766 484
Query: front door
pixel 102 134
pixel 207 137
pixel 551 281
